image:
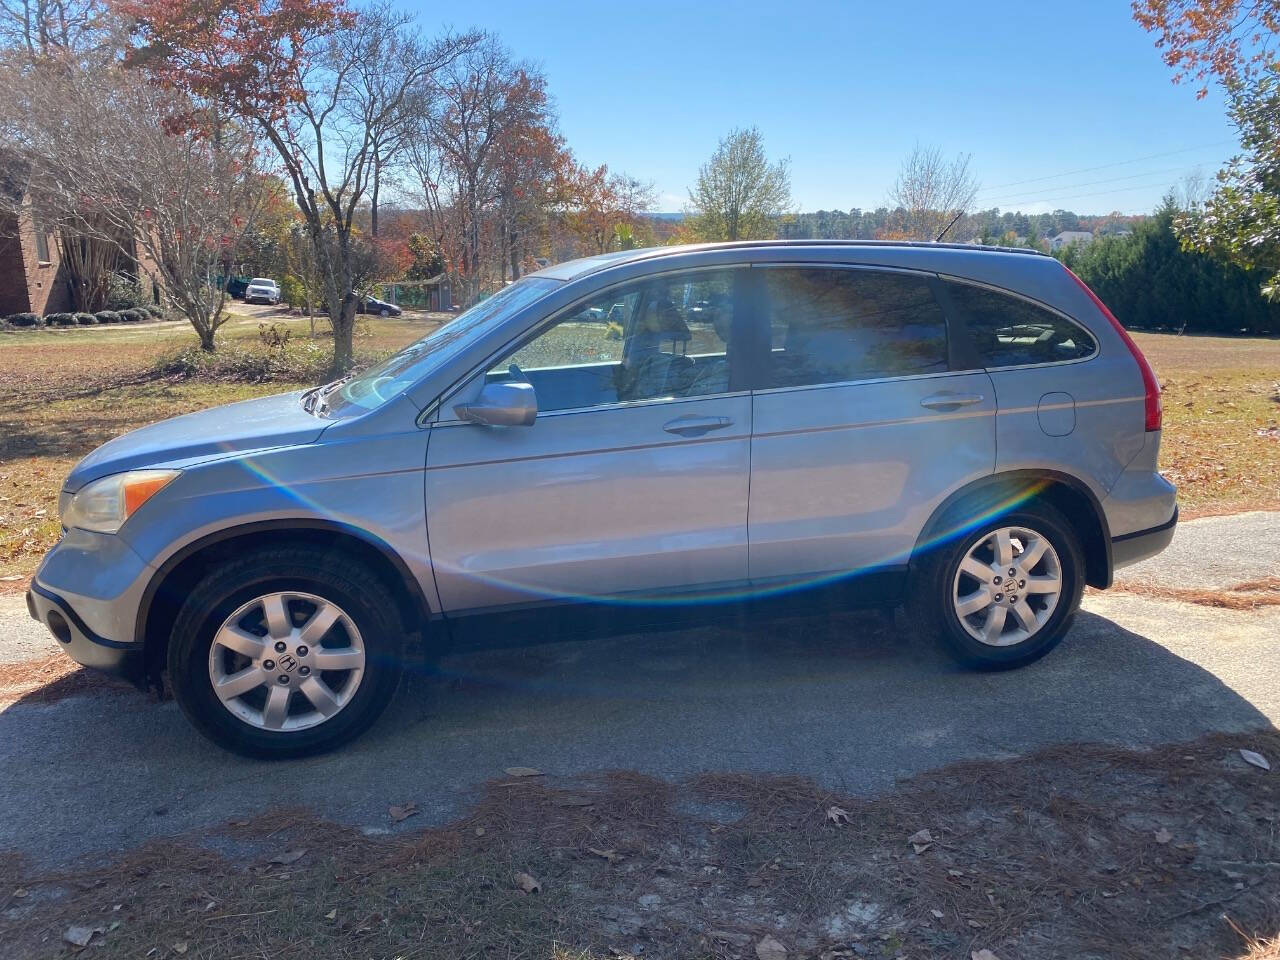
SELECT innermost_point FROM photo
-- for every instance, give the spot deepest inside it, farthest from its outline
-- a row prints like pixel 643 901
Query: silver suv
pixel 653 435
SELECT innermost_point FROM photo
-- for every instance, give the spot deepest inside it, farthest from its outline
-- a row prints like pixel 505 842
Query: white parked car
pixel 262 290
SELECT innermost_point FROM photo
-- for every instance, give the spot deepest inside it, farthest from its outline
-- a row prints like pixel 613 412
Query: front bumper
pixel 1134 547
pixel 80 642
pixel 87 591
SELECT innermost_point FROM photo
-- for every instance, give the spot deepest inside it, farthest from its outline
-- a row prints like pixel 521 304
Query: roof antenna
pixel 959 214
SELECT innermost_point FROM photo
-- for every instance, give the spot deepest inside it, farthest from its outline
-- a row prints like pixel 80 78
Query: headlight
pixel 104 505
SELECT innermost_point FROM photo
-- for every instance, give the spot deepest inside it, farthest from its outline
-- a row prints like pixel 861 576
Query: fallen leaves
pixel 527 884
pixel 401 812
pixel 921 840
pixel 81 936
pixel 837 815
pixel 1255 759
pixel 770 948
pixel 611 855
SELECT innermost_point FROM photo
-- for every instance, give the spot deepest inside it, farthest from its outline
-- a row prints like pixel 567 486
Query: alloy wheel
pixel 286 661
pixel 1007 586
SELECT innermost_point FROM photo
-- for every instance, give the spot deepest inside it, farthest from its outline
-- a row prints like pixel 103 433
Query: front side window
pixel 1009 331
pixel 665 337
pixel 831 325
pixel 393 376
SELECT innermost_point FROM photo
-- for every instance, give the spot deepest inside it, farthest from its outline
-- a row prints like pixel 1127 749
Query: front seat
pixel 647 371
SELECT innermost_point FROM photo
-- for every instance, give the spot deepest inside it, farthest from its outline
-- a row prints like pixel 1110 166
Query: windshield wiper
pixel 321 399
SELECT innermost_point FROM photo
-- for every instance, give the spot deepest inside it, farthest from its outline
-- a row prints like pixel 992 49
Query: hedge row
pixel 132 315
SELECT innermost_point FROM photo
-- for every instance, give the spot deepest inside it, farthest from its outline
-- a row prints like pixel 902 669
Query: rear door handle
pixel 951 401
pixel 696 426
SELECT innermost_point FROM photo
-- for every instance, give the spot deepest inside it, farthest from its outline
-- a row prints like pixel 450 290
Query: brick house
pixel 31 276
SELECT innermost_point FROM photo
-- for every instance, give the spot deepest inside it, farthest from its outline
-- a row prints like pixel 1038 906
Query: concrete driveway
pixel 842 699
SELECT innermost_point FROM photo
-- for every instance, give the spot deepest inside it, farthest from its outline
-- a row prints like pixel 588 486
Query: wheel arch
pixel 1003 492
pixel 173 579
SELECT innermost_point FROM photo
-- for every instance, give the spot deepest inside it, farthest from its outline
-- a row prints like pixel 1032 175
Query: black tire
pixel 355 589
pixel 931 611
pixel 384 312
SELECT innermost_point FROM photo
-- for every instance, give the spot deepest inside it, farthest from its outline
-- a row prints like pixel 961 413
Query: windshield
pixel 374 387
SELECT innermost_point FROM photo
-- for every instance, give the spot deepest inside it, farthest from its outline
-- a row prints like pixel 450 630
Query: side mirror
pixel 501 404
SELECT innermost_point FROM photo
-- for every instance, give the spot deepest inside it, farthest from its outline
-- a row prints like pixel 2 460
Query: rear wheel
pixel 284 653
pixel 1004 594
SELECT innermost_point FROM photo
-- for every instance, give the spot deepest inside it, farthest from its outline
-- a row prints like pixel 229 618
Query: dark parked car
pixel 236 287
pixel 381 307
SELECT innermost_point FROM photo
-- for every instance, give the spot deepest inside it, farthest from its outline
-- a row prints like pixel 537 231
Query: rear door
pixel 862 422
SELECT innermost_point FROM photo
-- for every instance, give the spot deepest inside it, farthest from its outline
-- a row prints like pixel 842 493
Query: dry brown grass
pixel 50 679
pixel 1079 851
pixel 64 392
pixel 1249 595
pixel 1219 393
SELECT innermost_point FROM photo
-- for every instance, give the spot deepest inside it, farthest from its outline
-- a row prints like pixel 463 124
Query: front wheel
pixel 285 653
pixel 1004 594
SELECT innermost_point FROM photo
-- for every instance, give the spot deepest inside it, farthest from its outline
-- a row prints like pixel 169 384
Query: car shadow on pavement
pixel 844 699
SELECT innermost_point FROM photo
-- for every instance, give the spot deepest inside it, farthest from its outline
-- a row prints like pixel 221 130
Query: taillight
pixel 1150 384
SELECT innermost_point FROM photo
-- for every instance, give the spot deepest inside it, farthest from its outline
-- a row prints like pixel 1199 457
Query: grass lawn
pixel 63 392
pixel 1221 440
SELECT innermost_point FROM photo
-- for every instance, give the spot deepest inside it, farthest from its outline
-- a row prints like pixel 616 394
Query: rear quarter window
pixel 1008 331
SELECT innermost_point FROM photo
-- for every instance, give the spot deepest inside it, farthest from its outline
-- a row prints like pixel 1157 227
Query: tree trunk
pixel 373 199
pixel 206 339
pixel 515 255
pixel 343 351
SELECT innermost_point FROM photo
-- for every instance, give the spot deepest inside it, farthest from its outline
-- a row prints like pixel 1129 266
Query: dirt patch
pixel 51 679
pixel 1074 852
pixel 1249 595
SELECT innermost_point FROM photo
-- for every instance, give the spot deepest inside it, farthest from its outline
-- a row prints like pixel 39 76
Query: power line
pixel 1104 166
pixel 1040 194
pixel 1103 193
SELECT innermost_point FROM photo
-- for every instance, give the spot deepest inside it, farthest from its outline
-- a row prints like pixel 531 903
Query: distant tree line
pixel 1152 281
pixel 983 226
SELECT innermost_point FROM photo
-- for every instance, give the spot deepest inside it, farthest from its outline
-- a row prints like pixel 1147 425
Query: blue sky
pixel 1034 91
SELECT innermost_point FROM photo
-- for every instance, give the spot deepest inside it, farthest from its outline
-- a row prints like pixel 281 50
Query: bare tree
pixel 99 166
pixel 478 98
pixel 352 106
pixel 739 195
pixel 930 193
pixel 41 27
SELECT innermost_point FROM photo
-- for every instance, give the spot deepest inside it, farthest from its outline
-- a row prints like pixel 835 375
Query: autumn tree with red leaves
pixel 326 85
pixel 1238 43
pixel 1231 40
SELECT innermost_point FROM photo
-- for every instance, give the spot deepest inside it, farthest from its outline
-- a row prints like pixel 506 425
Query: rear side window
pixel 835 326
pixel 1009 331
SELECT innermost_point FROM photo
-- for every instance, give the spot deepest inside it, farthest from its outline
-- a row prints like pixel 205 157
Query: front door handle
pixel 950 401
pixel 696 426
